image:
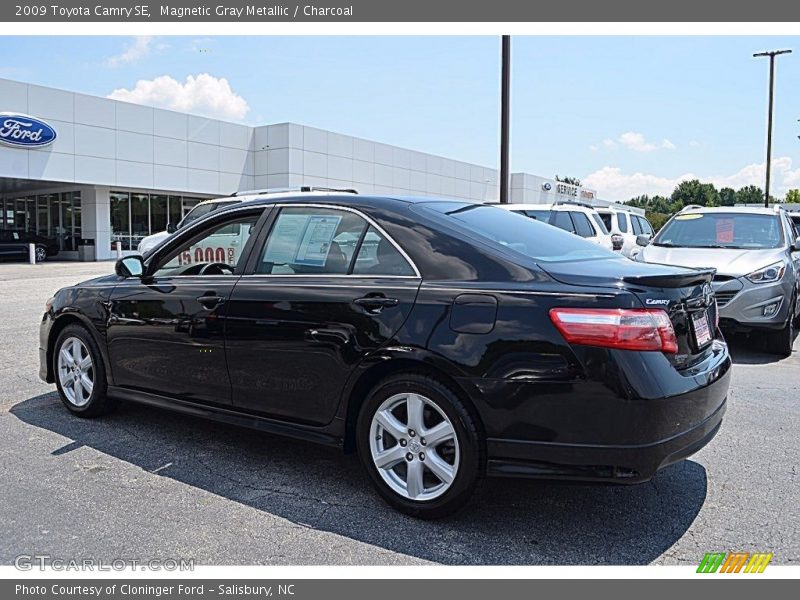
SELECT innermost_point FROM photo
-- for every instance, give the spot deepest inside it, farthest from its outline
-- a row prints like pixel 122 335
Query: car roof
pixel 744 210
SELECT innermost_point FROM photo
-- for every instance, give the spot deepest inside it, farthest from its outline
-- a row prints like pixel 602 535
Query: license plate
pixel 702 332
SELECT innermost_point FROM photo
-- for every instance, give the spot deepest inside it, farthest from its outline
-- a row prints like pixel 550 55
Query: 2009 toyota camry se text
pixel 440 340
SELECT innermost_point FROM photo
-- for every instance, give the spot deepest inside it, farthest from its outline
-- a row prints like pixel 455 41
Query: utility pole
pixel 505 113
pixel 772 54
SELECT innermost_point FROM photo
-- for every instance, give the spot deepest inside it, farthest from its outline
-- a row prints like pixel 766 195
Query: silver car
pixel 756 253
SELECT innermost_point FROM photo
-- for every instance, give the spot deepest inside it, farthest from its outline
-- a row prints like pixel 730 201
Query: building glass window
pixel 136 215
pixel 120 220
pixel 43 214
pixel 140 218
pixel 175 210
pixel 158 213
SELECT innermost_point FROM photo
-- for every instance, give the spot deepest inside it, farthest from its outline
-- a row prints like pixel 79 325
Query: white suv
pixel 580 219
pixel 627 226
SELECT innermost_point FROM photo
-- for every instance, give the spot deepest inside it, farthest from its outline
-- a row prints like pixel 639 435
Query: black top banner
pixel 401 11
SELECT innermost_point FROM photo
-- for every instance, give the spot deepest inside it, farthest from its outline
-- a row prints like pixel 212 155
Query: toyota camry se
pixel 441 340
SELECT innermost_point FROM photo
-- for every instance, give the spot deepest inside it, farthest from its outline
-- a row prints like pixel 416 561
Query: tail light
pixel 621 328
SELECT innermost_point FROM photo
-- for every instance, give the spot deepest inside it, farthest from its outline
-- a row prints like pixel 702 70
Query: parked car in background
pixel 208 206
pixel 580 219
pixel 756 254
pixel 627 226
pixel 199 210
pixel 15 245
pixel 441 340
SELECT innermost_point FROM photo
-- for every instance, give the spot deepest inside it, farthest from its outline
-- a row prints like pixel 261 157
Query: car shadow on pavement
pixel 506 522
pixel 749 350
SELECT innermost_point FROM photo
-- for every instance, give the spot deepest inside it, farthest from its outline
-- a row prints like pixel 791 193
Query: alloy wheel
pixel 414 446
pixel 41 254
pixel 75 371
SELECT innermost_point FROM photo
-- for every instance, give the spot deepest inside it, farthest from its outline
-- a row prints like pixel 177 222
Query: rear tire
pixel 40 254
pixel 80 373
pixel 425 477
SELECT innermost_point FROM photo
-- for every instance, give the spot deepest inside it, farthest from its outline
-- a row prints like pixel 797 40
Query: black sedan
pixel 15 245
pixel 441 340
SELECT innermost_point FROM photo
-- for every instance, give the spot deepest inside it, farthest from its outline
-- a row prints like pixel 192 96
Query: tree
pixel 727 197
pixel 792 197
pixel 694 192
pixel 570 180
pixel 750 194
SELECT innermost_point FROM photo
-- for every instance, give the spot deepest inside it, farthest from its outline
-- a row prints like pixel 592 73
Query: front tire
pixel 781 342
pixel 80 373
pixel 420 446
pixel 40 254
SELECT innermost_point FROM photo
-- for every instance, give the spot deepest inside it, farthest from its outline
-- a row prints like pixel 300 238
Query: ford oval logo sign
pixel 24 131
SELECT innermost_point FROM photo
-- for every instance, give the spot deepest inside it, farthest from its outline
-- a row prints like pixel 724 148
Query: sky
pixel 626 115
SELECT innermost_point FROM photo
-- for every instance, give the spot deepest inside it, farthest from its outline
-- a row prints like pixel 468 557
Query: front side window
pixel 721 230
pixel 606 217
pixel 601 225
pixel 582 226
pixel 562 221
pixel 539 215
pixel 645 225
pixel 217 251
pixel 622 222
pixel 311 241
pixel 637 227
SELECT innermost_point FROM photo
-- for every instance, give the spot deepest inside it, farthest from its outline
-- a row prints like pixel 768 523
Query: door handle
pixel 210 301
pixel 376 303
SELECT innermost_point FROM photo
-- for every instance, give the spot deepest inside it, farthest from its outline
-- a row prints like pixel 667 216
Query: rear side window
pixel 562 221
pixel 622 222
pixel 311 241
pixel 582 226
pixel 378 256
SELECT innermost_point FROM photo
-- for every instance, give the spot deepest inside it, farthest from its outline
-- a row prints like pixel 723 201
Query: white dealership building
pixel 114 171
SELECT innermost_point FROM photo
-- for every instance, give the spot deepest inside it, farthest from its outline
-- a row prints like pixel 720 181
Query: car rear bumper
pixel 601 463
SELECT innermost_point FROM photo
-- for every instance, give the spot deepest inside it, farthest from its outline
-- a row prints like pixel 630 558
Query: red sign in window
pixel 724 231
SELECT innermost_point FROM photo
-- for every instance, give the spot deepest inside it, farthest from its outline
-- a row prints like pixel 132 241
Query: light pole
pixel 505 110
pixel 772 54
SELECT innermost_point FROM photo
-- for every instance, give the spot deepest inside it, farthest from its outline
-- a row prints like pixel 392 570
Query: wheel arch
pixel 391 365
pixel 60 322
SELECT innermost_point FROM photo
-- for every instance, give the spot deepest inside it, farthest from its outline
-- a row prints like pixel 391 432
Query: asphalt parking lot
pixel 146 484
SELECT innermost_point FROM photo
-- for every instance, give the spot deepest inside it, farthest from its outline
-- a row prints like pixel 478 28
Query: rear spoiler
pixel 684 278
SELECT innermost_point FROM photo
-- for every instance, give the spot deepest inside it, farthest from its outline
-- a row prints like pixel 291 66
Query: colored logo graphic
pixel 25 131
pixel 734 562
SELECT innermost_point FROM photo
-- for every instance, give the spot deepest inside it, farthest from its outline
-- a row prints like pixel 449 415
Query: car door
pixel 166 331
pixel 11 245
pixel 325 288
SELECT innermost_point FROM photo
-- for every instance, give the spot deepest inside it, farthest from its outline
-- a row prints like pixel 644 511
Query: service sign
pixel 24 131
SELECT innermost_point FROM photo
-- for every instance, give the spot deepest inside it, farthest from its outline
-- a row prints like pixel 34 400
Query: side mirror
pixel 130 266
pixel 643 240
pixel 171 228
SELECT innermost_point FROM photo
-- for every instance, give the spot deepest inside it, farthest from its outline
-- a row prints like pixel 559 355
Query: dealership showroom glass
pixel 111 171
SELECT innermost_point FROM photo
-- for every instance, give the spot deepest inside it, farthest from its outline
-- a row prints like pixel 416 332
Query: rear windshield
pixel 721 230
pixel 523 235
